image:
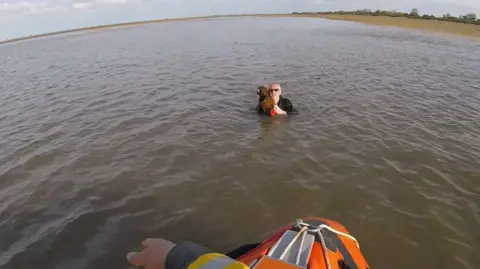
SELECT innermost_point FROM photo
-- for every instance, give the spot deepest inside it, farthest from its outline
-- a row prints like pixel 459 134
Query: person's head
pixel 275 90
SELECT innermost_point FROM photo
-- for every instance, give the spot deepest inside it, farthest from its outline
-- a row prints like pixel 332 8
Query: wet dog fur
pixel 265 101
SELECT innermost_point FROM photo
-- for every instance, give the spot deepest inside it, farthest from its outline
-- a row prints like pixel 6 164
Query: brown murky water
pixel 110 137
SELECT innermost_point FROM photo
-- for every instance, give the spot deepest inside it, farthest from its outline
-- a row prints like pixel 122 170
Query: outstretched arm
pixel 163 254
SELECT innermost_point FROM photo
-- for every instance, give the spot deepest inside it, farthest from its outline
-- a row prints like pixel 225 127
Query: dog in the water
pixel 265 101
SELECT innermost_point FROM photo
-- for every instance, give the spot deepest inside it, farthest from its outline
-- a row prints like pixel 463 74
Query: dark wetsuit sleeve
pixel 183 254
pixel 286 105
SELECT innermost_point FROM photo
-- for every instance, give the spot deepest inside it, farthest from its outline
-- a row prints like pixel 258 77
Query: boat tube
pixel 310 243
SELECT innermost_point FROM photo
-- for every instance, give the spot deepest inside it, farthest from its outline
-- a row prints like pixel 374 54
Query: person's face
pixel 275 91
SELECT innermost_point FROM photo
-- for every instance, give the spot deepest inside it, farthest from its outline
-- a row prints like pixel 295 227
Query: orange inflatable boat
pixel 310 243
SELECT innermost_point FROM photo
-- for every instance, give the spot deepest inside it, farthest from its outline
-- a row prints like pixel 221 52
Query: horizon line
pixel 102 26
pixel 166 19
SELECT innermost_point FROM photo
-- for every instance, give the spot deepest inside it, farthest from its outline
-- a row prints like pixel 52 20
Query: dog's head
pixel 265 100
pixel 262 93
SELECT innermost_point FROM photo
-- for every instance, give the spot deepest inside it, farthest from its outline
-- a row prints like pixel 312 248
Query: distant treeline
pixel 470 18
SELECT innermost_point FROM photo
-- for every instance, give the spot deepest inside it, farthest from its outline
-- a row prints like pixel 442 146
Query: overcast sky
pixel 24 17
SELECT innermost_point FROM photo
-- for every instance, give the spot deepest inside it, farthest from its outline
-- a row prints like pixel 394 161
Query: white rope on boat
pixel 291 242
pixel 318 229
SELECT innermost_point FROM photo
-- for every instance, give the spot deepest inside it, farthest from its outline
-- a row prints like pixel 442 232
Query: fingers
pixel 136 258
pixel 147 242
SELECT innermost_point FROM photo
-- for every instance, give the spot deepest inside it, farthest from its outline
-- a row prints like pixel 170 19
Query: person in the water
pixel 283 106
pixel 162 254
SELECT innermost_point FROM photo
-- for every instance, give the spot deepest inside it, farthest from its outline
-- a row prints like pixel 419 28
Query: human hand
pixel 278 110
pixel 154 254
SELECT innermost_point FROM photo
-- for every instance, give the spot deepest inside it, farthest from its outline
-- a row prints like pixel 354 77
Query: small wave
pixel 450 181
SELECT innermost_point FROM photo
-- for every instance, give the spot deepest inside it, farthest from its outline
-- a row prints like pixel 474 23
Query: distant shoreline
pixel 470 30
pixel 446 27
pixel 108 26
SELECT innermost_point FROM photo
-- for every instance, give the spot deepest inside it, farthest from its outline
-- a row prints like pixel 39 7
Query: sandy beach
pixel 467 30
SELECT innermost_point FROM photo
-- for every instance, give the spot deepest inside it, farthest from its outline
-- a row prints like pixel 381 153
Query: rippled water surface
pixel 109 137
